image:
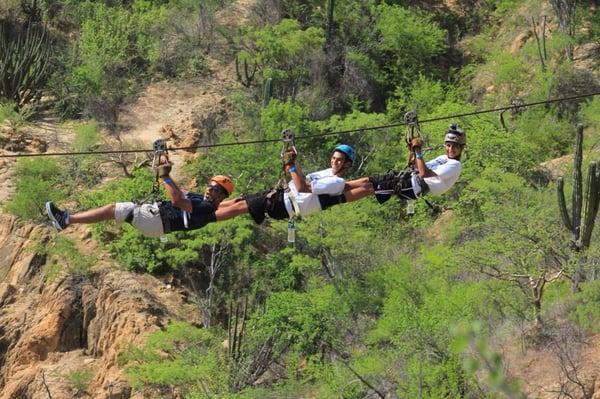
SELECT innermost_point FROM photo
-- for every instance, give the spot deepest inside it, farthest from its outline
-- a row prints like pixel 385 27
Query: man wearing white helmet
pixel 432 177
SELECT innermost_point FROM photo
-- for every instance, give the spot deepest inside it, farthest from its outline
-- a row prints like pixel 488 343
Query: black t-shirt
pixel 203 212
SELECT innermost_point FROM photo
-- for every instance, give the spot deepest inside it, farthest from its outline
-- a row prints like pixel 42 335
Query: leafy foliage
pixel 410 38
pixel 181 357
pixel 364 302
pixel 65 256
pixel 283 52
pixel 37 181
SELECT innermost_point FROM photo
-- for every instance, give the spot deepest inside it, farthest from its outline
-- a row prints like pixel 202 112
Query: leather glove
pixel 416 142
pixel 289 157
pixel 164 170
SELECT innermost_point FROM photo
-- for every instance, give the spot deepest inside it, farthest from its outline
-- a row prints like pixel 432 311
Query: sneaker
pixel 381 198
pixel 59 218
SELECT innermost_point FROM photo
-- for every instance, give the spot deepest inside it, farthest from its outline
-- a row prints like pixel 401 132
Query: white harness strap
pixel 186 216
pixel 295 206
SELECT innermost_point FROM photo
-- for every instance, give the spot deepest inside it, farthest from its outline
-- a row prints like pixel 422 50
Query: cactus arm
pixel 562 204
pixel 267 92
pixel 590 209
pixel 577 183
pixel 24 54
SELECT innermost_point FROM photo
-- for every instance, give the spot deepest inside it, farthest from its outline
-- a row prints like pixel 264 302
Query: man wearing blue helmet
pixel 307 194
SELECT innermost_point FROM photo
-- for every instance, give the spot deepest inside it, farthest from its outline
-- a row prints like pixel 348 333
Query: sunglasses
pixel 216 188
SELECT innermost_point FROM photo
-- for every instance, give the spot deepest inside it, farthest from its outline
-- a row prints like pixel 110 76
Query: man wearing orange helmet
pixel 184 211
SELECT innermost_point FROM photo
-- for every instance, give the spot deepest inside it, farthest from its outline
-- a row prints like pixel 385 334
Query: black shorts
pixel 327 201
pixel 268 202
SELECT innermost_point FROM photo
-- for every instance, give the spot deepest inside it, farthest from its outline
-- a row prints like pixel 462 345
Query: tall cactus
pixel 248 72
pixel 584 207
pixel 330 23
pixel 24 54
pixel 267 92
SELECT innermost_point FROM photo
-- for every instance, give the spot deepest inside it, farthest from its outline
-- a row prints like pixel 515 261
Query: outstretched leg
pixel 61 218
pixel 231 209
pixel 106 212
pixel 382 187
pixel 358 189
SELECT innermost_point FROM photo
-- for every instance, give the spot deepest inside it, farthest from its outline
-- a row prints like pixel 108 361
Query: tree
pixel 516 242
pixel 283 52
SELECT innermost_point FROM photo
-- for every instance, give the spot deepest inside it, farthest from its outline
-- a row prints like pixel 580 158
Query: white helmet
pixel 455 135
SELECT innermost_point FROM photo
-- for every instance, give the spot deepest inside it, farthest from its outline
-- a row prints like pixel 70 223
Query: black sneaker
pixel 59 218
pixel 381 198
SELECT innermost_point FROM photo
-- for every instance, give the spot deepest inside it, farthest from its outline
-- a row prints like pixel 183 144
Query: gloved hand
pixel 416 142
pixel 164 170
pixel 289 157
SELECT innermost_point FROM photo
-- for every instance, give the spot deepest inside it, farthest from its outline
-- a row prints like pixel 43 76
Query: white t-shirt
pixel 321 182
pixel 447 171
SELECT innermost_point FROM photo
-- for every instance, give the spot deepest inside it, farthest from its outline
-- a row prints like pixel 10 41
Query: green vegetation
pixel 64 256
pixel 37 180
pixel 369 302
pixel 79 380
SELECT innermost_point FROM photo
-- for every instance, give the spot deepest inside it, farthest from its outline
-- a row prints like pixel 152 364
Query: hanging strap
pixel 287 136
pixel 413 131
pixel 160 157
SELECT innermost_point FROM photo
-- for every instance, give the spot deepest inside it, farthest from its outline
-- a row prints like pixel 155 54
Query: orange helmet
pixel 224 182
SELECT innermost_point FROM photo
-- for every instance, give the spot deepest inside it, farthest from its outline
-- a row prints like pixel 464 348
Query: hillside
pixel 483 294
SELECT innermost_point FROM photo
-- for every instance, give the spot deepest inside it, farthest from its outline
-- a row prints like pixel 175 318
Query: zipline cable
pixel 309 136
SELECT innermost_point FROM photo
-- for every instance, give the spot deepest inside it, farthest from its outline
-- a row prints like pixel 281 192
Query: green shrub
pixel 409 41
pixel 116 49
pixel 37 180
pixel 14 116
pixel 284 52
pixel 587 312
pixel 182 357
pixel 64 256
pixel 79 379
pixel 83 170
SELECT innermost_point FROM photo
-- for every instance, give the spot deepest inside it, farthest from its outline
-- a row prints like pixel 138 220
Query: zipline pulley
pixel 287 136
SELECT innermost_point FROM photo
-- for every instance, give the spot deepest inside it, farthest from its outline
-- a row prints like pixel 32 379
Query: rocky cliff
pixel 60 337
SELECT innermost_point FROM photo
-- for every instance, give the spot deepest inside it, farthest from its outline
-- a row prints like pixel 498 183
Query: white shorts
pixel 146 217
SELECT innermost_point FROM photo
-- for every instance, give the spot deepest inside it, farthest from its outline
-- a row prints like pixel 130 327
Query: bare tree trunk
pixel 216 262
pixel 565 11
pixel 539 46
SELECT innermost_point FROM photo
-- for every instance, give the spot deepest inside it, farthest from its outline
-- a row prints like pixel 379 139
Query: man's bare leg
pixel 232 209
pixel 106 212
pixel 358 193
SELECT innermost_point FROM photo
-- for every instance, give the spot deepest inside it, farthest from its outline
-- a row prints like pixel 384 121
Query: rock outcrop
pixel 51 329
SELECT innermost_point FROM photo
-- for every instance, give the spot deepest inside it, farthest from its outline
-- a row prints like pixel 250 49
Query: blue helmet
pixel 346 150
